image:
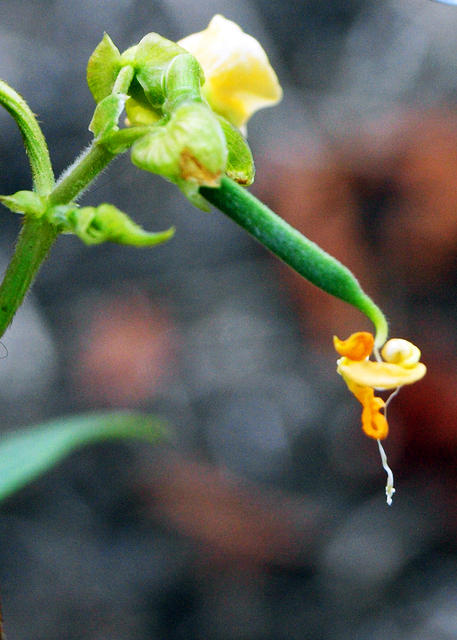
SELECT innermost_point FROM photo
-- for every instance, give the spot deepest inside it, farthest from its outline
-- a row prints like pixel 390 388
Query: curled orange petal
pixel 374 423
pixel 358 346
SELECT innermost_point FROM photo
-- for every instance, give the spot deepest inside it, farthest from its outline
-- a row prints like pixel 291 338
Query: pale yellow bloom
pixel 239 79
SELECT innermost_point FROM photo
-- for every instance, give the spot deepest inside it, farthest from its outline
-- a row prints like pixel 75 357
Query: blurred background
pixel 264 517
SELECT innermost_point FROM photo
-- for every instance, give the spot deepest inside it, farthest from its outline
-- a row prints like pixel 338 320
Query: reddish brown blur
pixel 127 351
pixel 233 521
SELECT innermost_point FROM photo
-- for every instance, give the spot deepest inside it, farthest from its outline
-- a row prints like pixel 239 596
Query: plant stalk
pixel 80 174
pixel 34 242
pixel 35 144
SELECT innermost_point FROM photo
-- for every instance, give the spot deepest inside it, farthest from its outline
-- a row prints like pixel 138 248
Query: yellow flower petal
pixel 401 352
pixel 357 347
pixel 239 79
pixel 379 375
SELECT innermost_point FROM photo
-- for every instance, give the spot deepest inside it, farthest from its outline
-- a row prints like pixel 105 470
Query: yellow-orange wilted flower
pixel 239 79
pixel 399 365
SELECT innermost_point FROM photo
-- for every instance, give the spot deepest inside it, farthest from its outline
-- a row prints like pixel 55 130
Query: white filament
pixel 390 489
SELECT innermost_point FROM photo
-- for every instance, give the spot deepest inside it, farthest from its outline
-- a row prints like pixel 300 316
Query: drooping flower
pixel 239 79
pixel 398 366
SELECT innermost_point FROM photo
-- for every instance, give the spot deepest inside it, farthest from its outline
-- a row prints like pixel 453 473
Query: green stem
pixel 34 242
pixel 80 174
pixel 35 144
pixel 301 254
pixel 37 235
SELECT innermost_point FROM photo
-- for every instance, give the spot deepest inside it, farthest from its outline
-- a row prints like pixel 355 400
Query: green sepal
pixel 140 115
pixel 28 202
pixel 190 146
pixel 192 193
pixel 107 113
pixel 104 223
pixel 128 56
pixel 182 81
pixel 152 56
pixel 103 68
pixel 138 109
pixel 240 163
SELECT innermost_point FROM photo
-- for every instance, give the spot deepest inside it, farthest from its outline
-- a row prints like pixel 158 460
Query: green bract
pixel 189 148
pixel 152 57
pixel 103 68
pixel 107 113
pixel 103 223
pixel 240 163
pixel 28 202
pixel 92 224
pixel 106 223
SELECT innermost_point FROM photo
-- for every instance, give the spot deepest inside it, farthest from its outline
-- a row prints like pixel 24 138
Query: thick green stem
pixel 303 255
pixel 36 236
pixel 34 242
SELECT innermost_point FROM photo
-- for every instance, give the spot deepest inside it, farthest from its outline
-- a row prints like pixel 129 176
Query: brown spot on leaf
pixel 192 169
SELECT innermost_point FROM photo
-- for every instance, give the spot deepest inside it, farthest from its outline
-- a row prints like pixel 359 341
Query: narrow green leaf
pixel 103 68
pixel 25 455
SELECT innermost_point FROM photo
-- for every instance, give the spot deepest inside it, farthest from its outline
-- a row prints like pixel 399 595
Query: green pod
pixel 300 253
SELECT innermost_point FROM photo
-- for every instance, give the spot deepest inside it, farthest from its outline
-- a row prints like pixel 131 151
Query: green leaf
pixel 26 454
pixel 107 113
pixel 27 202
pixel 103 68
pixel 240 163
